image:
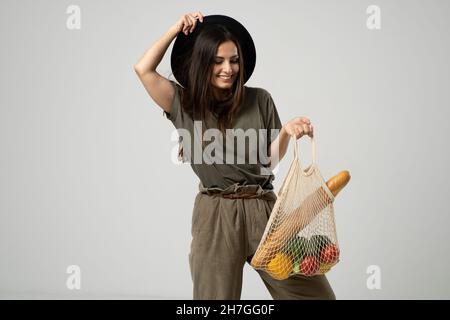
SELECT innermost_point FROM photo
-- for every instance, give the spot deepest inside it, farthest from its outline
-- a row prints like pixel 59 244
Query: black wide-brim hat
pixel 182 48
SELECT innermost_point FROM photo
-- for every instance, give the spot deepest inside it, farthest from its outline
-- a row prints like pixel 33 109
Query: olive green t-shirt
pixel 235 161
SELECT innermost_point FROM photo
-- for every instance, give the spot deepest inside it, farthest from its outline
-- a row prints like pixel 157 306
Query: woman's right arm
pixel 159 88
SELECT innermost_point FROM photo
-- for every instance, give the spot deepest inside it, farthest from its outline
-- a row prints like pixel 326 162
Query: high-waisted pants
pixel 227 227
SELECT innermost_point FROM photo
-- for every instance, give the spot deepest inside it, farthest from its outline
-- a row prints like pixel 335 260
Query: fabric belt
pixel 237 191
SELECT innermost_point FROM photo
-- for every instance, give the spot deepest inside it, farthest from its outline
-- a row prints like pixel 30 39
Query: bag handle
pixel 313 153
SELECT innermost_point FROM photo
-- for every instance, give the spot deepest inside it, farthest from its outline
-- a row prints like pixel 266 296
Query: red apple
pixel 329 254
pixel 309 266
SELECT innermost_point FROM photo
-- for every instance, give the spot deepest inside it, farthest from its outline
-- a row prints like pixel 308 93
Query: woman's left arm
pixel 299 127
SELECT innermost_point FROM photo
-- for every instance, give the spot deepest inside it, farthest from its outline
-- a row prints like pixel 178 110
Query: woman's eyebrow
pixel 235 56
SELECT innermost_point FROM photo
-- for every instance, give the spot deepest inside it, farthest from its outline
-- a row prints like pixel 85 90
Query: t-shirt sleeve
pixel 175 111
pixel 273 119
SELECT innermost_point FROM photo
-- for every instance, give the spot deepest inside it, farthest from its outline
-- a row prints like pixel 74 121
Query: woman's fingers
pixel 189 21
pixel 193 23
pixel 193 18
pixel 302 120
pixel 186 23
pixel 300 126
pixel 305 128
pixel 199 15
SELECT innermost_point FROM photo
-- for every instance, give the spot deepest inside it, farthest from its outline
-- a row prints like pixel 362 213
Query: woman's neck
pixel 221 95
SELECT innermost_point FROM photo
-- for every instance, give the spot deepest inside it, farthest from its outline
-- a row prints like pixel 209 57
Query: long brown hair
pixel 197 98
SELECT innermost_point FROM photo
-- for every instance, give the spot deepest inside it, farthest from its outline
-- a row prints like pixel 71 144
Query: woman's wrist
pixel 283 132
pixel 173 31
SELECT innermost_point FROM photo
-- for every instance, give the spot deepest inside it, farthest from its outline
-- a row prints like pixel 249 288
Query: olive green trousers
pixel 227 226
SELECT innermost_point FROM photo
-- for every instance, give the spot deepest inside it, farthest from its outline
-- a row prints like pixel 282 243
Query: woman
pixel 235 200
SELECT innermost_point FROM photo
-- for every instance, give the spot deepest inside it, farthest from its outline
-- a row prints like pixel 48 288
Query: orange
pixel 280 266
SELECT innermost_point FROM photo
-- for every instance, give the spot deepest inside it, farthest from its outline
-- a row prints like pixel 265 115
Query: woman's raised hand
pixel 187 22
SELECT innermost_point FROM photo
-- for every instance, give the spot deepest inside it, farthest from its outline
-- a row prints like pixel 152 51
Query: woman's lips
pixel 225 79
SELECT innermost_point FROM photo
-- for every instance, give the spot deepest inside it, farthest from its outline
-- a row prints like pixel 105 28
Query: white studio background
pixel 86 171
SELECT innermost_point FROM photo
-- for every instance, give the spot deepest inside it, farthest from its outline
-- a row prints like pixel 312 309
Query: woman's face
pixel 226 66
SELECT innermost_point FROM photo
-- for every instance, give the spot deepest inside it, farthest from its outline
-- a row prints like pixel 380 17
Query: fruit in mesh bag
pixel 317 243
pixel 280 266
pixel 321 256
pixel 324 268
pixel 299 219
pixel 326 251
pixel 329 254
pixel 309 266
pixel 296 248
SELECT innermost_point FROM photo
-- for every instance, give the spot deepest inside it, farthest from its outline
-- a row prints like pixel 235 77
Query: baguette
pixel 299 219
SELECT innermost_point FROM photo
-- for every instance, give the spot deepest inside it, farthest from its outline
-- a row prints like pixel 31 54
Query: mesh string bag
pixel 300 236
